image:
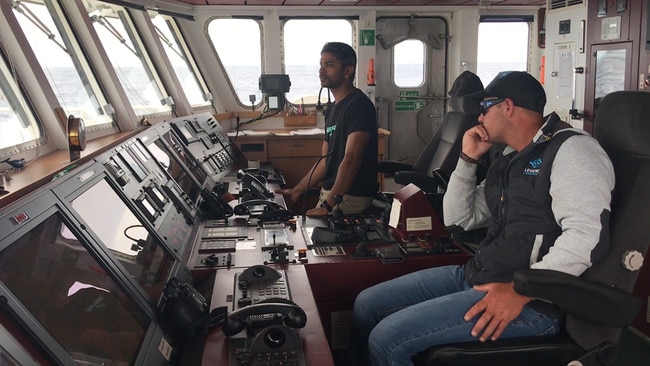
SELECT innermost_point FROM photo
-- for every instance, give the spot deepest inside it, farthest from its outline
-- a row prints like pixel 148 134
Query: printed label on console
pixel 418 223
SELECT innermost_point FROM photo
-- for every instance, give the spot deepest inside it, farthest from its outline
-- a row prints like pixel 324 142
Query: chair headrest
pixel 465 105
pixel 466 83
pixel 623 122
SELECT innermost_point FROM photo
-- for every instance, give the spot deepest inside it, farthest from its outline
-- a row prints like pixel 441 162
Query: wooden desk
pixel 312 336
pixel 293 155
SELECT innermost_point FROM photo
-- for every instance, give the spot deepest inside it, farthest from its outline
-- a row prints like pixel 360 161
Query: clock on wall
pixel 76 137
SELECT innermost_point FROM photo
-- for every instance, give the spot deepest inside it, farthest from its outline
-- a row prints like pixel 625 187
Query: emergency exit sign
pixel 409 94
pixel 406 105
pixel 408 101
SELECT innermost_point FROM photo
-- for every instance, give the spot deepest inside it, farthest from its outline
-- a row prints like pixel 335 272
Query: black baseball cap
pixel 519 86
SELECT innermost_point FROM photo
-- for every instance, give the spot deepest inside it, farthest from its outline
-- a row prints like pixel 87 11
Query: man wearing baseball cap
pixel 546 203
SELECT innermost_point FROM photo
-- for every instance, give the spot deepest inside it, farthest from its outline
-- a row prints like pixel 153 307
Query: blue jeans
pixel 395 320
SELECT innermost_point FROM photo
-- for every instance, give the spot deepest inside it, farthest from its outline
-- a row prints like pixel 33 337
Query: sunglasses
pixel 489 103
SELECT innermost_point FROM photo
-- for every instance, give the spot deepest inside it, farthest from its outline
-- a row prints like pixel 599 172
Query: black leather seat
pixel 598 304
pixel 432 168
pixel 439 156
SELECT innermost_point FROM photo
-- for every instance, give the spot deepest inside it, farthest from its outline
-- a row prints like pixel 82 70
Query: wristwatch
pixel 337 199
pixel 326 205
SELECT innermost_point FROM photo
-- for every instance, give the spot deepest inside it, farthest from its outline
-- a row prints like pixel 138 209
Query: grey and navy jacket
pixel 545 207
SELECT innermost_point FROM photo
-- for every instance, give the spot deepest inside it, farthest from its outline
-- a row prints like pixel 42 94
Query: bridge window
pixel 181 59
pixel 303 41
pixel 18 127
pixel 65 67
pixel 502 46
pixel 129 58
pixel 408 63
pixel 240 53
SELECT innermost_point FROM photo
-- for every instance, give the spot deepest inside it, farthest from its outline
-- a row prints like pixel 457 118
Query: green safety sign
pixel 367 37
pixel 409 105
pixel 408 95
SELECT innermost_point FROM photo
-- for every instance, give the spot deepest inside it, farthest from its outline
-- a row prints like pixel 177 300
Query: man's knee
pixel 363 300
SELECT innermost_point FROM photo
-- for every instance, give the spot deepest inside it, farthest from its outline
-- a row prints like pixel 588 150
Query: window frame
pixel 28 112
pixel 124 16
pixel 504 19
pixel 179 39
pixel 423 64
pixel 82 66
pixel 353 21
pixel 258 20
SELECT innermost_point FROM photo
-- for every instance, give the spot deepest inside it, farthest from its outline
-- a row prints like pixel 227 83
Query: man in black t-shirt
pixel 349 172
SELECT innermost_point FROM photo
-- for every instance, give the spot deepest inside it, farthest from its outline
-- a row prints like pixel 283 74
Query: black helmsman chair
pixel 598 304
pixel 431 170
pixel 434 165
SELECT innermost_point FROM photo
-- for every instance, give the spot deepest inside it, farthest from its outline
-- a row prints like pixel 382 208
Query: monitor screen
pixel 189 184
pixel 139 251
pixel 274 83
pixel 64 287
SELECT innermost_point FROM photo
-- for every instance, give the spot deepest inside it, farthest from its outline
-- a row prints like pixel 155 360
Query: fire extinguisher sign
pixel 367 37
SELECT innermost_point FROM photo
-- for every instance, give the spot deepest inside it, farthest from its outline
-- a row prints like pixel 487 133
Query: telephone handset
pixel 244 207
pixel 269 177
pixel 254 171
pixel 213 207
pixel 259 272
pixel 278 214
pixel 255 186
pixel 291 315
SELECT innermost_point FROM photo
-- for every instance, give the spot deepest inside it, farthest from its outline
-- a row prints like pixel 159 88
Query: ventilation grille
pixel 341 325
pixel 558 4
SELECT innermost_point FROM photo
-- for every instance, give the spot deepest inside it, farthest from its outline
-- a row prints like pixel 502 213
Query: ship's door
pixel 410 69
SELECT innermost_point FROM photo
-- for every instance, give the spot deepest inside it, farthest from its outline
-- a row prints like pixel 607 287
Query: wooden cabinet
pixel 292 155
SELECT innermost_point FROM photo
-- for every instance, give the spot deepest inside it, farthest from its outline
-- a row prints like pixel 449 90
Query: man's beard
pixel 328 83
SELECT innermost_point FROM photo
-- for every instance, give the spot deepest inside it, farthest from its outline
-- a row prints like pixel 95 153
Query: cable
pixel 131 227
pixel 319 105
pixel 304 200
pixel 329 98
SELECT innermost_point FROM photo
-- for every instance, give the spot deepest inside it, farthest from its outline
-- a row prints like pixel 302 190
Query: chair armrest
pixel 442 177
pixel 588 300
pixel 391 166
pixel 426 183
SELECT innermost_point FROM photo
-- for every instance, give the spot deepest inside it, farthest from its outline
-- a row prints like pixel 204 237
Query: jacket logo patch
pixel 533 169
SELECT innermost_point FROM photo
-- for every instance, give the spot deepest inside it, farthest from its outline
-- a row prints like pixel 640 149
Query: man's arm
pixel 354 149
pixel 582 181
pixel 347 171
pixel 464 203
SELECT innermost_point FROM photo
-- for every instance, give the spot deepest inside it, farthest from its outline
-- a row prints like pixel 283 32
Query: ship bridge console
pixel 170 238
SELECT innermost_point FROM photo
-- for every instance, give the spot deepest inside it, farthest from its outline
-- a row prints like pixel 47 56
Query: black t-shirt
pixel 353 113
